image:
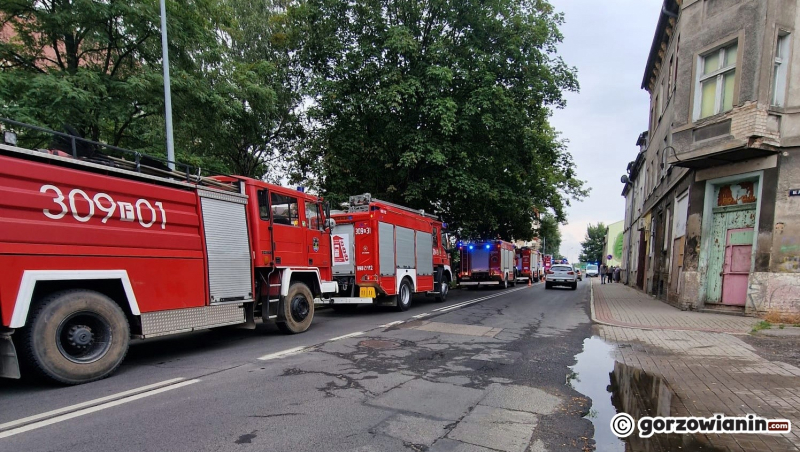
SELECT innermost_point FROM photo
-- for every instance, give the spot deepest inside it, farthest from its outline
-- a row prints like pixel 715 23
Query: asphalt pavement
pixel 486 370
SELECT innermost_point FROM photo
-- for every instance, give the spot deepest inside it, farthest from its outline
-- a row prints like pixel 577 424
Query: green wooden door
pixel 725 218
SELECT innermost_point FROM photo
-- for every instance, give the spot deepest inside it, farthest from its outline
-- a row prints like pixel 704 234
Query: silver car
pixel 561 275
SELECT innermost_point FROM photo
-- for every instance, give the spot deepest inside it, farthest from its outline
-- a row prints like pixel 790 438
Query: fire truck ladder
pixel 85 152
pixel 365 208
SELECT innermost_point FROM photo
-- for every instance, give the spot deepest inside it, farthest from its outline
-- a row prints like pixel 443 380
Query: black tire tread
pixel 31 364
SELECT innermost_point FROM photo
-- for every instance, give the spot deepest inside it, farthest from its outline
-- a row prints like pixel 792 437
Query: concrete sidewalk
pixel 702 361
pixel 619 305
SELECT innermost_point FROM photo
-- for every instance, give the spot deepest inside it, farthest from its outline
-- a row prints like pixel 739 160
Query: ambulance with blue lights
pixel 487 263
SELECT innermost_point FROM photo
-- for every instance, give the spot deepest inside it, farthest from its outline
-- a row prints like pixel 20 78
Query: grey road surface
pixel 453 376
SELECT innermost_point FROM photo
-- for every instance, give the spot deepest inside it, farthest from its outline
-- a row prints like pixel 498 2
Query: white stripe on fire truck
pixel 93 409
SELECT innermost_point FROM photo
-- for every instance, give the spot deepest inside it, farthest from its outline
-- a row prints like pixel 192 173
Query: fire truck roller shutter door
pixel 229 273
pixel 386 249
pixel 343 249
pixel 424 254
pixel 405 248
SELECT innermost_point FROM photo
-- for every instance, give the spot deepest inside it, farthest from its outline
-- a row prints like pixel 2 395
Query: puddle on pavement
pixel 615 387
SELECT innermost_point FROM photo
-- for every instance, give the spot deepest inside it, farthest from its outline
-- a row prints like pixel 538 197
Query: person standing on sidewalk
pixel 603 269
pixel 616 275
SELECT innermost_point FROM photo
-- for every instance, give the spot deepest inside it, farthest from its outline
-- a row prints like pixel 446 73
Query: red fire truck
pixel 97 250
pixel 528 264
pixel 487 263
pixel 383 253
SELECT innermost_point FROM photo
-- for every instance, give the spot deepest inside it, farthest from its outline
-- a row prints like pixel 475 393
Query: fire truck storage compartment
pixel 424 254
pixel 225 225
pixel 386 248
pixel 479 258
pixel 405 248
pixel 343 250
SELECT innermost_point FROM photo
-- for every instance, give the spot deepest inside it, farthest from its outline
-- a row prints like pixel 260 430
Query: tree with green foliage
pixel 440 105
pixel 549 234
pixel 97 65
pixel 251 118
pixel 593 247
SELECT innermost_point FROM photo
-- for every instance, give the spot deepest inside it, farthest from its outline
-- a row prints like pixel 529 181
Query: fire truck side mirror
pixel 330 223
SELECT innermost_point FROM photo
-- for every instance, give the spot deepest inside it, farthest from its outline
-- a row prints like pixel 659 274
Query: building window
pixel 717 74
pixel 669 76
pixel 779 70
pixel 677 57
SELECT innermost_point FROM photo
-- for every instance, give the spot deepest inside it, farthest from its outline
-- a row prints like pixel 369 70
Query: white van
pixel 591 270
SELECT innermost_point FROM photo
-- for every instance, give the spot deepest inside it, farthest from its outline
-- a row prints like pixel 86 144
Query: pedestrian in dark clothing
pixel 603 271
pixel 616 274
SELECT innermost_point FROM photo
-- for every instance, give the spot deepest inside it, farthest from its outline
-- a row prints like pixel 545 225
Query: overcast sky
pixel 608 42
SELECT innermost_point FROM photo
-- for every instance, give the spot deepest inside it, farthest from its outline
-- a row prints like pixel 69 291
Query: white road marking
pixel 93 409
pixel 469 302
pixel 419 316
pixel 283 353
pixel 396 322
pixel 358 333
pixel 88 403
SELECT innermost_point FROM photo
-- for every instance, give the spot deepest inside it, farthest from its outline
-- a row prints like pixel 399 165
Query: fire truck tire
pixel 505 283
pixel 76 336
pixel 513 281
pixel 404 294
pixel 297 310
pixel 444 289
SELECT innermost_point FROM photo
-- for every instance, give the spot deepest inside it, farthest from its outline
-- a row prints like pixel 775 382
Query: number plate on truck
pixel 367 292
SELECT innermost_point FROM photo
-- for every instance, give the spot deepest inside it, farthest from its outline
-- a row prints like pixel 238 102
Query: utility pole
pixel 167 94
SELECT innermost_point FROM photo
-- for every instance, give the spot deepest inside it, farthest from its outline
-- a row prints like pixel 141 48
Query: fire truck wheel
pixel 297 309
pixel 513 281
pixel 76 336
pixel 444 288
pixel 505 283
pixel 404 296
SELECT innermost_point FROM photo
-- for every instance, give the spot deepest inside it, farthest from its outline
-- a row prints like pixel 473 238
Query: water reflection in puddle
pixel 614 388
pixel 591 377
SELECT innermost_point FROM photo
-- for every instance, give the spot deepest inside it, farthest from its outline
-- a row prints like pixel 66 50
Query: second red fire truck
pixel 384 253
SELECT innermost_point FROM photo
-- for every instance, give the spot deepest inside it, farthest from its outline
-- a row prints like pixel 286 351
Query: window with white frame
pixel 715 82
pixel 779 70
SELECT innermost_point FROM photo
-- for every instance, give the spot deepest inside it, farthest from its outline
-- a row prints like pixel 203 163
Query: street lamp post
pixel 167 94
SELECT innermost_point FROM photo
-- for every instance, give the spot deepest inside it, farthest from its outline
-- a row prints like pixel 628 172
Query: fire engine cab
pixel 487 263
pixel 97 248
pixel 384 253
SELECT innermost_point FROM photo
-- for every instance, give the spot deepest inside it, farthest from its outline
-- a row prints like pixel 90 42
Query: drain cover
pixel 378 344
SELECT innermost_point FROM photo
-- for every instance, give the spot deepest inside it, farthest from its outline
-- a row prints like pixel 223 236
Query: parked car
pixel 561 275
pixel 591 270
pixel 578 272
